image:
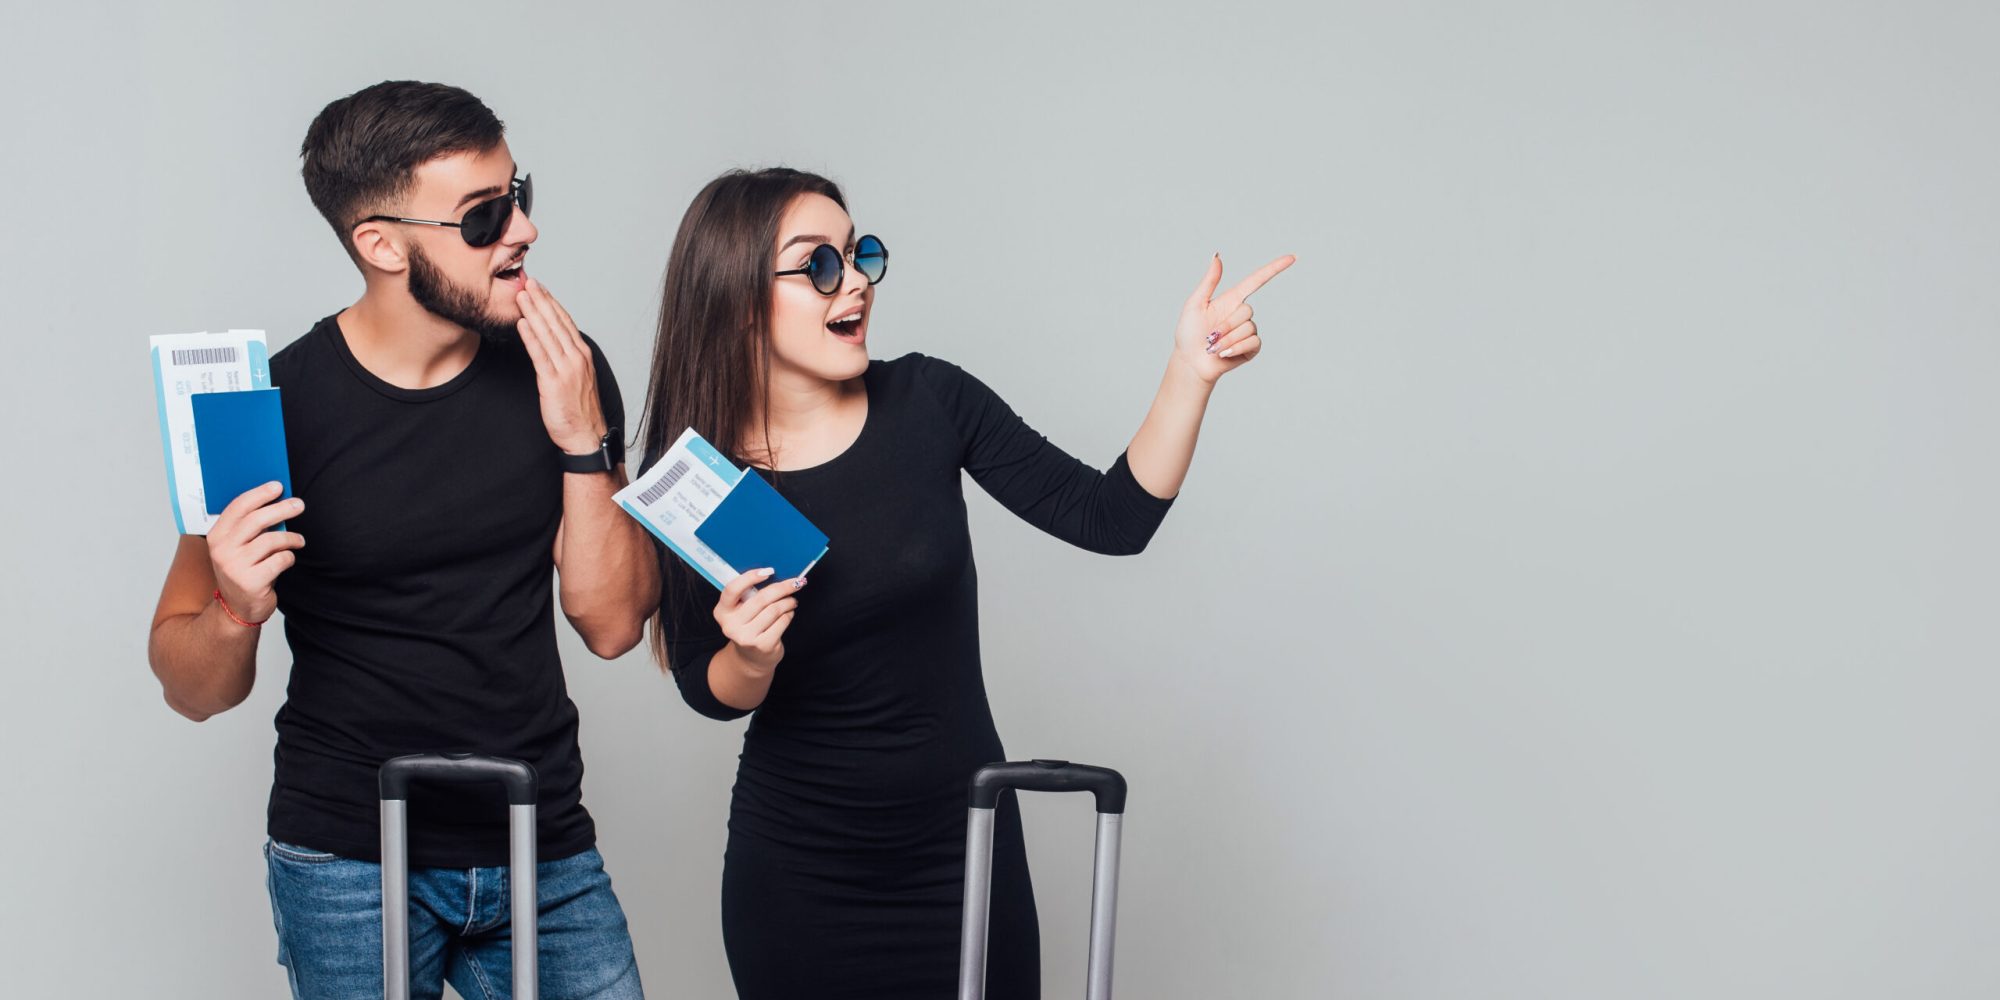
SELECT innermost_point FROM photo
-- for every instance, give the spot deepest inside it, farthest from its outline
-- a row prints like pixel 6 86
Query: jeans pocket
pixel 293 852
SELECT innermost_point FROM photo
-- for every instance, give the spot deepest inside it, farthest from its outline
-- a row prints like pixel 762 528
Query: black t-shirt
pixel 420 611
pixel 878 715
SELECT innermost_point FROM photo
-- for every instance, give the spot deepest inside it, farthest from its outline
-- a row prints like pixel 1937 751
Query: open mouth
pixel 848 326
pixel 514 270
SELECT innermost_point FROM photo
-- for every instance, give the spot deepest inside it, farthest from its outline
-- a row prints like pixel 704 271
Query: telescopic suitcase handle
pixel 1108 787
pixel 518 778
pixel 1049 776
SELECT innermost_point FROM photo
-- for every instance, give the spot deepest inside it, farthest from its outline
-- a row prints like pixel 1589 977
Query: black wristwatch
pixel 609 455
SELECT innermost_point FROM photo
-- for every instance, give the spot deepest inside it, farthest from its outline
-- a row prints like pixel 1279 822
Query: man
pixel 452 438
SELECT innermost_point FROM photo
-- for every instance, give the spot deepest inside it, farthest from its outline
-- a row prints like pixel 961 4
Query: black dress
pixel 844 871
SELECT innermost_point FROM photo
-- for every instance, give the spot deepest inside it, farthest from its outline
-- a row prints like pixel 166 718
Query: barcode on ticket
pixel 654 492
pixel 206 356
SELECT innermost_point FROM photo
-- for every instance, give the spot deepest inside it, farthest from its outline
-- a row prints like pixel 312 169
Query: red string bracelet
pixel 232 614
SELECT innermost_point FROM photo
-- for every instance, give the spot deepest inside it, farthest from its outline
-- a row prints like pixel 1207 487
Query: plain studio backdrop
pixel 1580 598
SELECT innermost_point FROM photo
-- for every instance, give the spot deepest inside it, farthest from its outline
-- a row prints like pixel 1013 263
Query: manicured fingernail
pixel 1213 335
pixel 274 485
pixel 766 571
pixel 1229 352
pixel 1211 348
pixel 799 583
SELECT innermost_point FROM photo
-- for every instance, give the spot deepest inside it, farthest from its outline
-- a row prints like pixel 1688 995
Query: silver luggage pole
pixel 518 777
pixel 1108 787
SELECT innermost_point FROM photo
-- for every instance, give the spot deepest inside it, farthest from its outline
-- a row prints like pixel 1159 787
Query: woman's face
pixel 822 336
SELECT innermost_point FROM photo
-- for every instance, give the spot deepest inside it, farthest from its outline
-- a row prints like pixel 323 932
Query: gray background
pixel 1580 599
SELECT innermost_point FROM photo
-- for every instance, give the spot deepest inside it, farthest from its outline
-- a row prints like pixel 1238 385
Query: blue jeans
pixel 328 912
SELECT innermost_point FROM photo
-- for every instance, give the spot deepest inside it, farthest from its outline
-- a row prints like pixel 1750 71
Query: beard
pixel 454 303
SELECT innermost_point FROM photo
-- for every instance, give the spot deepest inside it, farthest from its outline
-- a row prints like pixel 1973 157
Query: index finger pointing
pixel 1256 280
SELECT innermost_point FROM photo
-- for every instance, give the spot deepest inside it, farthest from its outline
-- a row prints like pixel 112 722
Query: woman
pixel 843 874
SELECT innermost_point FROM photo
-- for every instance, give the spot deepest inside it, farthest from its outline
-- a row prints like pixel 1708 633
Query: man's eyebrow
pixel 480 195
pixel 814 237
pixel 486 192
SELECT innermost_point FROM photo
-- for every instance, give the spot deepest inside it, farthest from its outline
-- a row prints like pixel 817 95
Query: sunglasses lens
pixel 871 258
pixel 826 269
pixel 525 194
pixel 487 220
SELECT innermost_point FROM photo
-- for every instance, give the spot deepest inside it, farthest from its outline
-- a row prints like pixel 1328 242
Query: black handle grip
pixel 1049 776
pixel 463 768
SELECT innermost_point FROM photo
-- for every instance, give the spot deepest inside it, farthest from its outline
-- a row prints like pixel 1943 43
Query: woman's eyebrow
pixel 814 238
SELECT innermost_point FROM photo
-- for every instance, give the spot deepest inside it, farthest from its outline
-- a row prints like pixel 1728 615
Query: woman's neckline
pixel 869 401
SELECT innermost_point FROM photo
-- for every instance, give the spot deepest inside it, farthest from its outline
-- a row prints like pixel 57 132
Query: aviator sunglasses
pixel 483 223
pixel 826 265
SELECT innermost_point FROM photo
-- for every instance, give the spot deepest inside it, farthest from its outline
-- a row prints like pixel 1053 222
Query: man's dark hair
pixel 364 149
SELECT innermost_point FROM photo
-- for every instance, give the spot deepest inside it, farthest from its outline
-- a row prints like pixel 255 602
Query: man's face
pixel 473 287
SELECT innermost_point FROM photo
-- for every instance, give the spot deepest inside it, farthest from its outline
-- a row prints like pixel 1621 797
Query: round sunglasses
pixel 827 265
pixel 484 223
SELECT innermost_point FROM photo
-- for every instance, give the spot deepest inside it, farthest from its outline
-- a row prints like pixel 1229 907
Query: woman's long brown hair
pixel 711 357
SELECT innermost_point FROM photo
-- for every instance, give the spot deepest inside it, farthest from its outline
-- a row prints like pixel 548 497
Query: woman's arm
pixel 723 660
pixel 1104 512
pixel 1113 512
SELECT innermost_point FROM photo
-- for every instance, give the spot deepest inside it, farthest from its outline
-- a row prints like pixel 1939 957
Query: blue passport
pixel 753 527
pixel 241 439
